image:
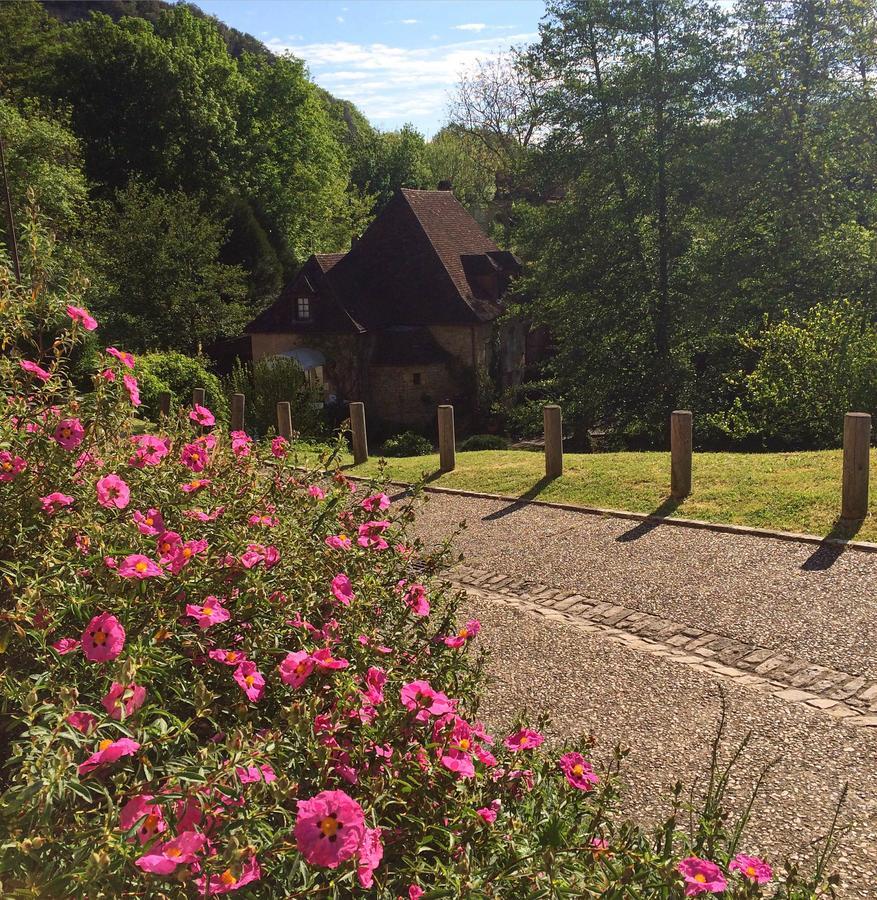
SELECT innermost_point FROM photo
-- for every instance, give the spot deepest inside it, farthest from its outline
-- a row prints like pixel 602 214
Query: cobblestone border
pixel 841 695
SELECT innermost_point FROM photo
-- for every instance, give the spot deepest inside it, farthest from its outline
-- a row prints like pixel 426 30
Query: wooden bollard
pixel 164 404
pixel 680 453
pixel 447 441
pixel 198 397
pixel 238 403
pixel 553 440
pixel 357 427
pixel 284 420
pixel 857 446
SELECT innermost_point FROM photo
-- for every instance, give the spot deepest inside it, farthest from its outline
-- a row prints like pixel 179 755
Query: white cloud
pixel 471 26
pixel 410 21
pixel 339 18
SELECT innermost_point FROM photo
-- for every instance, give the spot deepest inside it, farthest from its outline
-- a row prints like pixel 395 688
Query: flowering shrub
pixel 222 674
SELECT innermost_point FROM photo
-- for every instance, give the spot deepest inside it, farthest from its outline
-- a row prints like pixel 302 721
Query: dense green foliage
pixel 406 443
pixel 178 375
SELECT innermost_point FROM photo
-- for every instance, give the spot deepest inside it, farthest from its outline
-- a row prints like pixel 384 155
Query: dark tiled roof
pixel 407 347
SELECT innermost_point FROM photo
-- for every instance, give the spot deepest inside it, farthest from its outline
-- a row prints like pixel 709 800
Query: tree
pixel 27 40
pixel 161 284
pixel 456 156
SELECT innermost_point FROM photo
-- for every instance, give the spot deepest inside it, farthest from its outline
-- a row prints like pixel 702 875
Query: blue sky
pixel 397 60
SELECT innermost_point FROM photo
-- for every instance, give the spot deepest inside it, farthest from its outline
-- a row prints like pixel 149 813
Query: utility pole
pixel 10 218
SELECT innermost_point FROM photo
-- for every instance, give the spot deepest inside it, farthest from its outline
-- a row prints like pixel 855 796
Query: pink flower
pixel 414 892
pixel 250 679
pixel 69 433
pixel 151 523
pixel 142 810
pixel 316 492
pixel 108 375
pixel 249 871
pixel 370 535
pixel 10 466
pixel 125 358
pixel 200 516
pixel 33 369
pixel 240 444
pixel 324 660
pixel 524 739
pixel 113 491
pixel 82 721
pixel 163 859
pixel 578 771
pixel 51 503
pixel 375 679
pixel 279 447
pixel 329 828
pixel 343 589
pixel 701 876
pixel 167 544
pixel 228 657
pixel 295 668
pixel 132 388
pixel 466 633
pixel 420 696
pixel 78 314
pixel 194 456
pixel 752 868
pixel 151 450
pixel 457 755
pixel 108 752
pixel 376 503
pixel 339 542
pixel 202 416
pixel 183 554
pixel 65 645
pixel 123 699
pixel 190 487
pixel 139 566
pixel 488 814
pixel 103 638
pixel 415 599
pixel 210 612
pixel 251 774
pixel 265 520
pixel 370 853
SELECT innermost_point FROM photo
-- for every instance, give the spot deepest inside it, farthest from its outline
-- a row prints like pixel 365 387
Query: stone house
pixel 406 318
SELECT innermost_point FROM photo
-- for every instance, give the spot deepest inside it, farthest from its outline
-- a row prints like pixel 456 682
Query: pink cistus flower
pixel 183 554
pixel 125 699
pixel 316 492
pixel 339 542
pixel 228 881
pixel 296 668
pixel 209 612
pixel 466 633
pixel 82 721
pixel 202 416
pixel 103 638
pixel 376 503
pixel 369 856
pixel 163 858
pixel 752 868
pixel 488 814
pixel 250 679
pixel 524 739
pixel 375 679
pixel 167 543
pixel 578 771
pixel 150 450
pixel 228 657
pixel 342 589
pixel 251 774
pixel 419 697
pixel 701 876
pixel 371 535
pixel 10 466
pixel 240 444
pixel 151 523
pixel 146 815
pixel 329 828
pixel 82 316
pixel 51 503
pixel 324 660
pixel 190 487
pixel 65 645
pixel 415 892
pixel 194 456
pixel 139 566
pixel 125 358
pixel 69 433
pixel 108 752
pixel 132 388
pixel 33 369
pixel 113 491
pixel 415 599
pixel 279 447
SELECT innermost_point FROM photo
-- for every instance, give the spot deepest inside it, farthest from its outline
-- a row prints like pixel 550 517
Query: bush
pixel 273 380
pixel 407 443
pixel 178 375
pixel 484 442
pixel 208 686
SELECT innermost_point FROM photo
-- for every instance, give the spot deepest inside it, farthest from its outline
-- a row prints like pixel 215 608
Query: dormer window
pixel 303 309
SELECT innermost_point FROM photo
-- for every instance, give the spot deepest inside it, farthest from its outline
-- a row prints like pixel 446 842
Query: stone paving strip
pixel 842 695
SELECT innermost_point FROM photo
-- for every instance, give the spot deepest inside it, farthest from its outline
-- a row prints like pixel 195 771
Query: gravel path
pixel 793 598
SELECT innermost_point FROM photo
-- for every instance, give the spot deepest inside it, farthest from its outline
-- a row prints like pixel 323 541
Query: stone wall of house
pixel 395 398
pixel 464 341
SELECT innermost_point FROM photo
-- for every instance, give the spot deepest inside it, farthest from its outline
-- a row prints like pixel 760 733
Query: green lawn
pixel 786 491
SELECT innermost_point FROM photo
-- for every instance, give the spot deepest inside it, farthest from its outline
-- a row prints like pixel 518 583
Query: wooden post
pixel 284 420
pixel 164 404
pixel 238 402
pixel 198 397
pixel 553 440
pixel 857 446
pixel 680 453
pixel 447 441
pixel 360 438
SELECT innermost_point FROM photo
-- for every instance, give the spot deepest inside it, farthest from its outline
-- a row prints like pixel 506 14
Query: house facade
pixel 404 320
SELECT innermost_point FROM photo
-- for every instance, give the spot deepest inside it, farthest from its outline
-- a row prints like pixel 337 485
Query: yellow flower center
pixel 700 878
pixel 104 744
pixel 140 566
pixel 149 521
pixel 750 870
pixel 300 669
pixel 463 633
pixel 249 679
pixel 66 432
pixel 231 656
pixel 187 552
pixel 342 537
pixel 7 466
pixel 578 769
pixel 173 852
pixel 464 744
pixel 227 878
pixel 329 826
pixel 194 484
pixel 100 638
pixel 206 610
pixel 150 822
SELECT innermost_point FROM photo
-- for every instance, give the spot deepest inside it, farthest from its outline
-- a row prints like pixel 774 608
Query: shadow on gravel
pixel 521 502
pixel 827 554
pixel 667 507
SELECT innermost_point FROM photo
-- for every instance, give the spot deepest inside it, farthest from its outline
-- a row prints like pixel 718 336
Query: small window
pixel 303 309
pixel 415 378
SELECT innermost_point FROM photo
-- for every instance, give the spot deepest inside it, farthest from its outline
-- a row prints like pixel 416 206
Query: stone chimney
pixel 354 240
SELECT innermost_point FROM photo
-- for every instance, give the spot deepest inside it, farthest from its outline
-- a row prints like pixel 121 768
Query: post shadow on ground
pixel 668 506
pixel 530 494
pixel 828 552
